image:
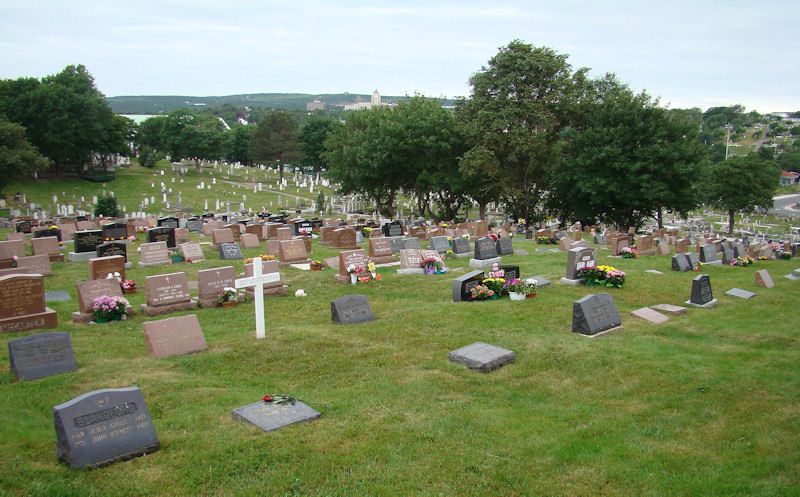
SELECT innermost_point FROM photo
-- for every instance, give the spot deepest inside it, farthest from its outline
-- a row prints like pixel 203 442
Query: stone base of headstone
pixel 411 270
pixel 648 252
pixel 86 317
pixel 270 417
pixel 568 281
pixel 707 305
pixel 161 310
pixel 340 247
pixel 56 257
pixel 485 263
pixel 482 357
pixel 602 333
pixel 152 264
pixel 713 263
pixel 289 263
pixel 81 256
pixel 649 314
pixel 128 265
pixel 388 259
pixel 674 310
pixel 38 321
pixel 463 256
pixel 268 291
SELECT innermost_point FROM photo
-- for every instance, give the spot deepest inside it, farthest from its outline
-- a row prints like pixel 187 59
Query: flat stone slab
pixel 302 267
pixel 653 271
pixel 792 276
pixel 649 314
pixel 81 256
pixel 411 270
pixel 539 281
pixel 742 294
pixel 545 250
pixel 482 356
pixel 40 355
pixel 674 310
pixel 521 252
pixel 484 263
pixel 57 296
pixel 270 416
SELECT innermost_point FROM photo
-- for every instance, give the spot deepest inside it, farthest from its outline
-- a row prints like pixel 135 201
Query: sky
pixel 700 53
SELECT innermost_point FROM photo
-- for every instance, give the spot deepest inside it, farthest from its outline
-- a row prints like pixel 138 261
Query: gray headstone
pixel 594 314
pixel 396 243
pixel 40 355
pixel 440 244
pixel 504 246
pixel 482 356
pixel 461 245
pixel 742 294
pixel 680 262
pixel 270 416
pixel 104 426
pixel 485 248
pixel 411 243
pixel 462 285
pixel 694 259
pixel 708 253
pixel 351 309
pixel 229 251
pixel 579 258
pixel 701 290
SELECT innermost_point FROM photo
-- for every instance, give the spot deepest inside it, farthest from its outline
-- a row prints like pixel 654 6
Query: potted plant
pixel 107 308
pixel 482 292
pixel 128 287
pixel 519 289
pixel 629 253
pixel 229 297
pixel 175 256
pixel 316 265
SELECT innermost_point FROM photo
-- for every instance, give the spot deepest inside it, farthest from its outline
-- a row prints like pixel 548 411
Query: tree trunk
pixel 730 222
pixel 659 216
pixel 280 167
pixel 197 164
pixel 482 210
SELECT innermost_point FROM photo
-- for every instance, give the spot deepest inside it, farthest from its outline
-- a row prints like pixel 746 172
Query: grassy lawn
pixel 706 404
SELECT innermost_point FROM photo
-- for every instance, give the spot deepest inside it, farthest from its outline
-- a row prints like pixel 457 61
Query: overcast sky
pixel 689 53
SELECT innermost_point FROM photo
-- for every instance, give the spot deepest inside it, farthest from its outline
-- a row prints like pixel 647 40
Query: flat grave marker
pixel 269 416
pixel 174 336
pixel 40 355
pixel 482 357
pixel 351 309
pixel 595 315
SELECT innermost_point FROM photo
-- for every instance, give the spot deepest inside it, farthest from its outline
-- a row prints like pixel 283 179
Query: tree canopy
pixel 275 140
pixel 17 155
pixel 313 134
pixel 186 134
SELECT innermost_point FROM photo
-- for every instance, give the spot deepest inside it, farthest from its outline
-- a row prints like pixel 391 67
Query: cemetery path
pixel 784 205
pixel 279 192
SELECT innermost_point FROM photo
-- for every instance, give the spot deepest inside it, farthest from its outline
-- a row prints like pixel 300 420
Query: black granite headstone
pixel 485 248
pixel 229 251
pixel 104 426
pixel 701 290
pixel 504 246
pixel 40 355
pixel 48 232
pixel 440 244
pixel 351 309
pixel 594 313
pixel 23 226
pixel 194 225
pixel 162 234
pixel 463 284
pixel 168 222
pixel 113 248
pixel 87 240
pixel 117 230
pixel 511 272
pixel 461 245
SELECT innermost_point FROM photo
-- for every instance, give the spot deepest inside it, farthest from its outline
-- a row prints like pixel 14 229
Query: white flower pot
pixel 516 296
pixel 353 278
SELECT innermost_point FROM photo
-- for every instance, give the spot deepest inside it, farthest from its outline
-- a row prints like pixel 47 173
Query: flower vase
pixel 373 274
pixel 531 296
pixel 228 304
pixel 516 296
pixel 128 291
pixel 353 278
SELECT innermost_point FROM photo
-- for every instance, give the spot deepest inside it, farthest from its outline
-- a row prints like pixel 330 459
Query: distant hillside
pixel 151 104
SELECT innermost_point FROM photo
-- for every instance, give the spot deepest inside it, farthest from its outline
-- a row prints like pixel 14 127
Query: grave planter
pixel 316 268
pixel 128 291
pixel 531 296
pixel 228 304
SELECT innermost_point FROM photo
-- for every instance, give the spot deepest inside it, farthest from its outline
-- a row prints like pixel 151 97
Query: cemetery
pixel 692 358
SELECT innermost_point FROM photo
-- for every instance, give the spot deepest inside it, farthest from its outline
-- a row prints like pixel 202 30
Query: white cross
pixel 257 282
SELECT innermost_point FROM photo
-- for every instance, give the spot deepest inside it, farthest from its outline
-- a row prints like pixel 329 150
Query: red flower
pixel 267 398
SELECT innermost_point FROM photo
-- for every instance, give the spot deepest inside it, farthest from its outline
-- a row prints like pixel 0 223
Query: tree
pixel 186 134
pixel 17 156
pixel 312 141
pixel 275 140
pixel 518 108
pixel 149 133
pixel 476 168
pixel 107 206
pixel 740 184
pixel 626 159
pixel 237 144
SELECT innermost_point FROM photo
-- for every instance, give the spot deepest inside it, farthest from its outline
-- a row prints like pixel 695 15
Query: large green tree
pixel 519 105
pixel 17 156
pixel 740 184
pixel 149 133
pixel 275 140
pixel 186 134
pixel 237 144
pixel 626 159
pixel 313 134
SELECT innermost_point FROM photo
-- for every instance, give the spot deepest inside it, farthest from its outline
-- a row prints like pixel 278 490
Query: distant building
pixel 788 179
pixel 315 105
pixel 375 101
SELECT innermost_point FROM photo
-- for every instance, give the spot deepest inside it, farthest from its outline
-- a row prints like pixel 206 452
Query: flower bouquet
pixel 482 292
pixel 107 308
pixel 114 276
pixel 628 253
pixel 229 297
pixel 371 268
pixel 742 261
pixel 602 276
pixel 431 265
pixel 497 285
pixel 264 257
pixel 316 265
pixel 354 271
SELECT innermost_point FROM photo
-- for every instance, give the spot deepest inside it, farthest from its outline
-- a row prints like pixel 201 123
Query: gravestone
pixel 32 264
pixel 47 246
pixel 681 262
pixel 192 252
pixel 440 244
pixel 22 304
pixel 229 251
pixel 90 290
pixel 153 254
pixel 351 309
pixel 259 230
pixel 682 246
pixel 504 246
pixel 270 416
pixel 181 235
pixel 257 282
pixel 23 226
pixel 674 310
pixel 223 235
pixel 595 315
pixel 273 247
pixel 211 282
pixel 395 228
pixel 617 244
pixel 694 259
pixel 9 250
pixel 168 222
pixel 701 292
pixel 249 241
pixel 482 357
pixel 162 234
pixel 577 259
pixel 564 244
pixel 344 238
pixel 117 230
pixel 739 293
pixel 85 244
pixel 284 233
pixel 292 252
pixel 510 272
pixel 100 267
pixel 763 279
pixel 412 243
pixel 109 249
pixel 40 355
pixel 167 293
pixel 739 250
pixel 410 262
pixel 649 314
pixel 349 258
pixel 174 336
pixel 485 253
pixel 463 285
pixel 708 254
pixel 194 225
pixel 104 426
pixel 599 240
pixel 380 251
pixel 271 288
pixel 663 248
pixel 480 228
pixel 397 244
pixel 461 247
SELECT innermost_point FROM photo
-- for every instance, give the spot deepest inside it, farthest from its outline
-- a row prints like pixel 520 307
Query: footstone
pixel 40 355
pixel 482 356
pixel 351 309
pixel 522 252
pixel 653 271
pixel 764 279
pixel 649 314
pixel 270 416
pixel 57 296
pixel 174 336
pixel 791 276
pixel 742 294
pixel 674 310
pixel 103 427
pixel 595 314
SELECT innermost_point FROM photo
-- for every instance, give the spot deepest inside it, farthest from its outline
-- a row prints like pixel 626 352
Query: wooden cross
pixel 257 282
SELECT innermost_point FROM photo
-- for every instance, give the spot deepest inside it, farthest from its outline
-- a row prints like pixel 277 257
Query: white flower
pixel 300 293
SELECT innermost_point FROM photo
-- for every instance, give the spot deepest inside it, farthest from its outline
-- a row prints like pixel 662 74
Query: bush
pixel 107 206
